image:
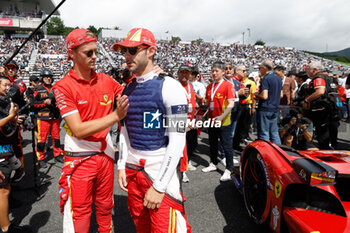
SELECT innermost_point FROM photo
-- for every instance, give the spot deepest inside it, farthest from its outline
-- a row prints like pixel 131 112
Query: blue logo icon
pixel 152 120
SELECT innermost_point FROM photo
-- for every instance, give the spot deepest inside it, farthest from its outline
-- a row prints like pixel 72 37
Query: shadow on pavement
pixel 231 205
pixel 24 194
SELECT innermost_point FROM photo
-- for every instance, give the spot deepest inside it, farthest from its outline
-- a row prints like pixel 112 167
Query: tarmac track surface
pixel 211 206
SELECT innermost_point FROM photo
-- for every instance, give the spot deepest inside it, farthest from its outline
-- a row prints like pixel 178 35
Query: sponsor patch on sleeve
pixel 179 109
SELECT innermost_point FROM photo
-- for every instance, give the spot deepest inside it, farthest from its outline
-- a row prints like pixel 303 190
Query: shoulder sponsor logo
pixel 82 102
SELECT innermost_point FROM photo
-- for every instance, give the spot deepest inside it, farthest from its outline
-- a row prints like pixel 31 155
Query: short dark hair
pixel 219 65
pixel 303 75
pixel 4 77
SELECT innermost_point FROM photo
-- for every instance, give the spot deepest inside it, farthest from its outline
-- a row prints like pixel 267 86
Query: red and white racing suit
pixel 93 176
pixel 158 168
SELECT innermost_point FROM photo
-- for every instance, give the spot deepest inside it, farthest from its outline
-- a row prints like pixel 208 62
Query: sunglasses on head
pixel 90 53
pixel 132 50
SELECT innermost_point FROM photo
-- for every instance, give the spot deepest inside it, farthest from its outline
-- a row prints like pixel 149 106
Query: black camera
pixel 15 96
pixel 126 73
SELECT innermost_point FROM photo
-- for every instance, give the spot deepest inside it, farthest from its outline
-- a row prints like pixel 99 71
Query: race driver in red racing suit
pixel 47 118
pixel 85 100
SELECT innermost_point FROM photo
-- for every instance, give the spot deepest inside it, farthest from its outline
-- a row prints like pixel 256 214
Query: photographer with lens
pixel 296 131
pixel 47 118
pixel 8 162
pixel 16 95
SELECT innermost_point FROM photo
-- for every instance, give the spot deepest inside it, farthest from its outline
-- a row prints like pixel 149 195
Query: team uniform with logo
pixel 217 96
pixel 152 142
pixel 88 170
pixel 47 121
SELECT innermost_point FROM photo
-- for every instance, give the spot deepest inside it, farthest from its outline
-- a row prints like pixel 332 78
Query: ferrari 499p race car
pixel 296 191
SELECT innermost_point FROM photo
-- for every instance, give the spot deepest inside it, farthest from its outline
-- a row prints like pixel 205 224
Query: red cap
pixel 78 37
pixel 136 37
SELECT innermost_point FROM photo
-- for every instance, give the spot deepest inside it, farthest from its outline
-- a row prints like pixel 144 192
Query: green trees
pixel 259 42
pixel 55 26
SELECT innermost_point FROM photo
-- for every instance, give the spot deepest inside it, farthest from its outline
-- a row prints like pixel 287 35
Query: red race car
pixel 296 191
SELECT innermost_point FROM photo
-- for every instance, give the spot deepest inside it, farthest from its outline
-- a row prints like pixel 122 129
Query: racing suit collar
pixel 145 77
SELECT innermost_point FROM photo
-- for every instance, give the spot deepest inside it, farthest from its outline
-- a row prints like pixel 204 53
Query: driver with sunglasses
pixel 149 151
pixel 85 100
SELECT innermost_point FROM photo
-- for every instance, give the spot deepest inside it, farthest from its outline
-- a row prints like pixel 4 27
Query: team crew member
pixel 220 97
pixel 85 100
pixel 47 118
pixel 191 134
pixel 151 152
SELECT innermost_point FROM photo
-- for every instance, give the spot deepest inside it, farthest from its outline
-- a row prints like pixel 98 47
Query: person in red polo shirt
pixel 220 97
pixel 85 100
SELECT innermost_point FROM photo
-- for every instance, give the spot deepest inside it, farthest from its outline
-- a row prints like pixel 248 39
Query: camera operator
pixel 12 74
pixel 7 140
pixel 296 131
pixel 33 82
pixel 47 118
pixel 16 93
pixel 322 111
pixel 127 76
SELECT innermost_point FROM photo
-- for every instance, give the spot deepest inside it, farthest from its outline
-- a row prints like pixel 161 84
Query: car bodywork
pixel 296 191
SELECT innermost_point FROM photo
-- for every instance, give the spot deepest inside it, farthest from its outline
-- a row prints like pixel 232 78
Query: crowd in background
pixel 51 54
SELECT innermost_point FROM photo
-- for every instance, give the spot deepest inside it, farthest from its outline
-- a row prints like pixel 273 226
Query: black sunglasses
pixel 132 50
pixel 90 53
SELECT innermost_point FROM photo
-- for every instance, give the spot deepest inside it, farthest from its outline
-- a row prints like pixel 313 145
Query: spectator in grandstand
pixel 322 112
pixel 220 98
pixel 48 121
pixel 288 87
pixel 246 108
pixel 88 146
pixel 269 97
